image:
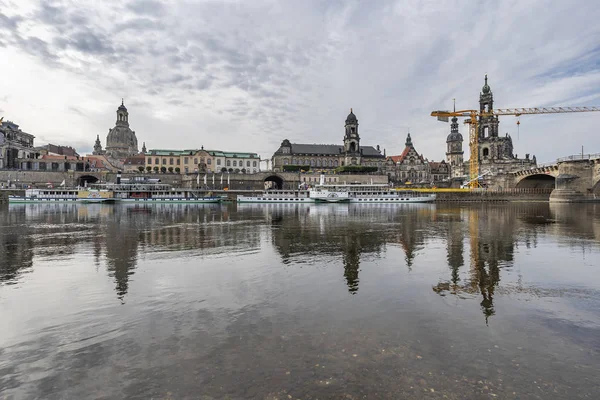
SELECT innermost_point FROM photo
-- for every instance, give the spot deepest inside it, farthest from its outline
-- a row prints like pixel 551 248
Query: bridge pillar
pixel 574 183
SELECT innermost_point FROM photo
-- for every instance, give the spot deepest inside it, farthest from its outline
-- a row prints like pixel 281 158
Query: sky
pixel 245 75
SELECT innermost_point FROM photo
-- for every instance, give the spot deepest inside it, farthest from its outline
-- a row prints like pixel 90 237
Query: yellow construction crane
pixel 473 117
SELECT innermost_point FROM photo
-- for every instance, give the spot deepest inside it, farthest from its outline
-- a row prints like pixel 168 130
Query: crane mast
pixel 472 120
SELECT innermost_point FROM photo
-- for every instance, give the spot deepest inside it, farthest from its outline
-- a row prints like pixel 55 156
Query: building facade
pixel 121 141
pixel 411 167
pixel 329 156
pixel 202 161
pixel 15 145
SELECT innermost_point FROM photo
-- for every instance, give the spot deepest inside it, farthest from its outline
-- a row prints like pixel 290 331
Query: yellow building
pixel 201 161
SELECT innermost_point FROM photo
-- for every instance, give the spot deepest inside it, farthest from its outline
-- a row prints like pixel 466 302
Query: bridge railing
pixel 578 157
pixel 515 191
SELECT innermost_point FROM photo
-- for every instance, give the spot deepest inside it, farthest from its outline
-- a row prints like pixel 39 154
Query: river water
pixel 300 301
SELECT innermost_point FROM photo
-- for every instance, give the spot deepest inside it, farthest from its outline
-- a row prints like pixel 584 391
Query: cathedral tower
pixel 352 151
pixel 454 153
pixel 488 124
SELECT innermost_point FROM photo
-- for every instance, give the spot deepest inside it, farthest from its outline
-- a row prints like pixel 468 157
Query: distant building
pixel 411 167
pixel 14 145
pixel 495 151
pixel 329 156
pixel 201 161
pixel 52 149
pixel 121 141
pixel 454 152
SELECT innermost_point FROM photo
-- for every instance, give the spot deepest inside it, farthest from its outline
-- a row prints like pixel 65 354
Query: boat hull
pixel 399 200
pixel 173 200
pixel 249 199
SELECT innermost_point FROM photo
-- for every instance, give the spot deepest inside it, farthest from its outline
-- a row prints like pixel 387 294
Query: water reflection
pixel 118 236
pixel 312 301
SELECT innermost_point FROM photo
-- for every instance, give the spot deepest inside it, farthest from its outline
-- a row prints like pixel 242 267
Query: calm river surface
pixel 300 301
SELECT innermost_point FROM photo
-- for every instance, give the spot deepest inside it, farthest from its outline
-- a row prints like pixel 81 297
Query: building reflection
pixel 494 232
pixel 116 235
pixel 348 233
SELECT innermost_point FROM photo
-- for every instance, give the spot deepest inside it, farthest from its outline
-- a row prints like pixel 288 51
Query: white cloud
pixel 245 75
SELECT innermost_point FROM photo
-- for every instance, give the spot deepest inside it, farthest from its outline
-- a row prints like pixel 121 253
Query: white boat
pixel 278 196
pixel 152 193
pixel 367 194
pixel 62 195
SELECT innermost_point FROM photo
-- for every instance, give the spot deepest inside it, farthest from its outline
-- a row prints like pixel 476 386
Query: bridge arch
pixel 89 179
pixel 273 182
pixel 537 181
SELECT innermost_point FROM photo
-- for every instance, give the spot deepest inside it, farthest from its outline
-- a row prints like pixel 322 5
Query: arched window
pixel 331 163
pixel 156 161
pixel 171 161
pixel 335 163
pixel 286 161
pixel 486 152
pixel 318 163
pixel 254 163
pixel 234 163
pixel 312 162
pixel 228 163
pixel 294 161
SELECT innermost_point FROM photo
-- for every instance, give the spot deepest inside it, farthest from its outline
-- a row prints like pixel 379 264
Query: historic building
pixel 495 151
pixel 454 150
pixel 121 141
pixel 329 156
pixel 410 166
pixel 15 145
pixel 202 161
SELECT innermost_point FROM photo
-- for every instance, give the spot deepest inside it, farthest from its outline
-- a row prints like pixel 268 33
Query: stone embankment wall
pixel 3 197
pixel 495 196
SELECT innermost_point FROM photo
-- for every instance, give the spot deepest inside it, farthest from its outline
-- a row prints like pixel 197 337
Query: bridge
pixel 577 174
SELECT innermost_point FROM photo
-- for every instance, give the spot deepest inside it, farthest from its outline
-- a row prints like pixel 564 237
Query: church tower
pixel 97 147
pixel 454 153
pixel 488 124
pixel 352 151
pixel 122 115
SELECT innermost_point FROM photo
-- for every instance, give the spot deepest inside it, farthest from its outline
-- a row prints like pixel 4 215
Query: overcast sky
pixel 244 75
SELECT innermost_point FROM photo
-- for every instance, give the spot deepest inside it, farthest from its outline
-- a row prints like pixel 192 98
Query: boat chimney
pixel 118 177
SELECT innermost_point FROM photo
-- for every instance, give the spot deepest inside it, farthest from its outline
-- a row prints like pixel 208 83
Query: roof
pixel 331 149
pixel 136 160
pixel 189 152
pixel 401 157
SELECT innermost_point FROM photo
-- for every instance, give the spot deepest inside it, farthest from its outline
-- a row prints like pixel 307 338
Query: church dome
pixel 351 118
pixel 122 106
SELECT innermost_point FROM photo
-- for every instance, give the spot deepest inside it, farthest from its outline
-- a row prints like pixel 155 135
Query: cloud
pixel 245 75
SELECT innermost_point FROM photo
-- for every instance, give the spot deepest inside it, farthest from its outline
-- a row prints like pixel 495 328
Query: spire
pixel 408 140
pixel 122 101
pixel 97 146
pixel 454 104
pixel 144 147
pixel 486 89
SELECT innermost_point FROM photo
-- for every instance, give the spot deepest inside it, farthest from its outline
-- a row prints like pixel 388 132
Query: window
pixel 208 161
pixel 294 161
pixel 254 163
pixel 218 161
pixel 335 163
pixel 486 151
pixel 247 163
pixel 164 160
pixel 178 161
pixel 149 160
pixel 171 161
pixel 318 163
pixel 156 161
pixel 286 161
pixel 195 161
pixel 186 170
pixel 185 160
pixel 228 163
pixel 234 163
pixel 312 162
pixel 331 163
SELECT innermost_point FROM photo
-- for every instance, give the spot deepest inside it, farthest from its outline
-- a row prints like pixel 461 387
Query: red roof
pixel 400 158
